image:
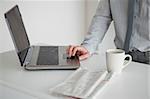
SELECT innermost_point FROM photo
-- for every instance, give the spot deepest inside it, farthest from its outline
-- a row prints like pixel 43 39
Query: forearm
pixel 96 33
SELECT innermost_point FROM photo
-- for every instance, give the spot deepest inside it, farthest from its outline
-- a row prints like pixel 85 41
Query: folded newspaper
pixel 81 83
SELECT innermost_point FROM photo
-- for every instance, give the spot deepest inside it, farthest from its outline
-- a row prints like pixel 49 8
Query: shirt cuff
pixel 90 49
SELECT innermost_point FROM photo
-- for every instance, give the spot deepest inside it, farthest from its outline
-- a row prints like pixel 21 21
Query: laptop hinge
pixel 28 56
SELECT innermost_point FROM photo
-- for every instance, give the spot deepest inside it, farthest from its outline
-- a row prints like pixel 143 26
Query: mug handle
pixel 126 63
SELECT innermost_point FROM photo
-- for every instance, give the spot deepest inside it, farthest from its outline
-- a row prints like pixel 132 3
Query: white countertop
pixel 17 83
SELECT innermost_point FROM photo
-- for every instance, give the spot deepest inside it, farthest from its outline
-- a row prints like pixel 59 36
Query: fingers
pixel 75 50
pixel 70 50
pixel 78 50
pixel 84 56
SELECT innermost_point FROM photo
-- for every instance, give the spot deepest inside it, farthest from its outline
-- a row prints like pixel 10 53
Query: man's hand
pixel 79 51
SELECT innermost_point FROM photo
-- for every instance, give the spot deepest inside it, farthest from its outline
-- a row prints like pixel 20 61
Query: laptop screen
pixel 17 30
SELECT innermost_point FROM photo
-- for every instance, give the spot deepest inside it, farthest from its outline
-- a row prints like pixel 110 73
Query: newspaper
pixel 81 83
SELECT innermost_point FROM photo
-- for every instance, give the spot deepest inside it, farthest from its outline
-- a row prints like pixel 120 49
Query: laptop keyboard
pixel 48 55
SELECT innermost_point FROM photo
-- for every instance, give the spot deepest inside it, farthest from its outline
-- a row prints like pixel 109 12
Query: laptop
pixel 36 57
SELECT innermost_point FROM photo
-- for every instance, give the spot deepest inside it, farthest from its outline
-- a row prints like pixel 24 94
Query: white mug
pixel 115 60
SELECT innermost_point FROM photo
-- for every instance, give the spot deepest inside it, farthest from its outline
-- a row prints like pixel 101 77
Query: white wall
pixel 54 22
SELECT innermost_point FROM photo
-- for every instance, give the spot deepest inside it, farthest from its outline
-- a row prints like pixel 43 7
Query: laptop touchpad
pixel 48 55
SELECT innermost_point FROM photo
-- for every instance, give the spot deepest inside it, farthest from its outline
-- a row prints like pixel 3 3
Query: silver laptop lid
pixel 18 32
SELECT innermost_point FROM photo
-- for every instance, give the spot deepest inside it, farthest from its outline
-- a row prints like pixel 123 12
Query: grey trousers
pixel 142 57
